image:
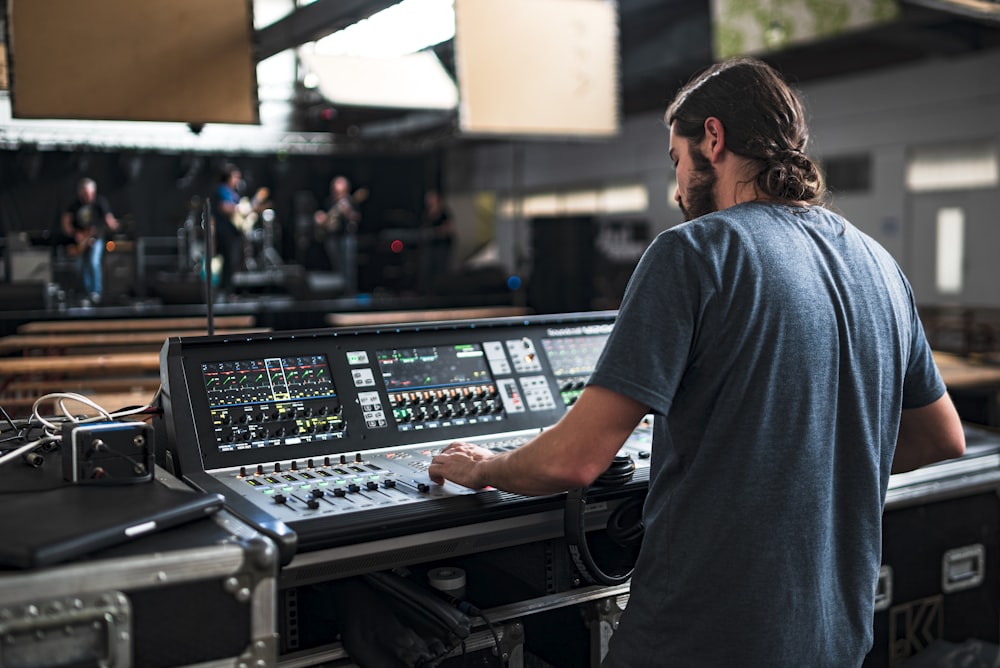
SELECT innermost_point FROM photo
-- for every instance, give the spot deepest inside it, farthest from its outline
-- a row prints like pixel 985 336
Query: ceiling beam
pixel 982 10
pixel 313 21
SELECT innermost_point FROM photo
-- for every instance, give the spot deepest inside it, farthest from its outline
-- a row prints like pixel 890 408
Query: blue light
pixel 513 282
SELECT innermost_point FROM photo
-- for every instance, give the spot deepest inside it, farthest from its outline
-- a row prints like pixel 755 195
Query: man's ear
pixel 715 139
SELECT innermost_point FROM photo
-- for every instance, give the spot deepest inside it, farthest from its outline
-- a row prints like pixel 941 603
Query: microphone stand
pixel 208 224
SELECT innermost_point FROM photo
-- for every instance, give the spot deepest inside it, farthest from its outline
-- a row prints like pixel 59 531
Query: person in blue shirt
pixel 232 214
pixel 779 349
pixel 228 238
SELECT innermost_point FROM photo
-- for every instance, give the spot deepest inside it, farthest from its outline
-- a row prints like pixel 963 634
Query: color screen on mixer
pixel 433 366
pixel 574 355
pixel 269 379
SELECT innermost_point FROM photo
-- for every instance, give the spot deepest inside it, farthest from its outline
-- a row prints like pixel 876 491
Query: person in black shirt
pixel 437 236
pixel 85 221
pixel 337 229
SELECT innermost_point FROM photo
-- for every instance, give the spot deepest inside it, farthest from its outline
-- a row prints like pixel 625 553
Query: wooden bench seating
pixel 115 363
pixel 974 386
pixel 355 319
pixel 965 330
pixel 96 365
pixel 963 373
pixel 111 385
pixel 78 342
pixel 107 379
pixel 193 325
pixel 110 401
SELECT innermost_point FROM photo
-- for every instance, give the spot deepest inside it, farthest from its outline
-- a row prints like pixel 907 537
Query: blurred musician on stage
pixel 437 238
pixel 232 214
pixel 336 226
pixel 85 221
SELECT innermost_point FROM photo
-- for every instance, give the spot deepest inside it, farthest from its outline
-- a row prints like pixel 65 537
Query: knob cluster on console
pixel 570 389
pixel 270 424
pixel 428 405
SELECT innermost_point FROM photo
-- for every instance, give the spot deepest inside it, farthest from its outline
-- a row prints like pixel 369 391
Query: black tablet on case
pixel 57 525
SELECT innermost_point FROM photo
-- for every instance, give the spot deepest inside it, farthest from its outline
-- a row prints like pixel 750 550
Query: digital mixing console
pixel 322 438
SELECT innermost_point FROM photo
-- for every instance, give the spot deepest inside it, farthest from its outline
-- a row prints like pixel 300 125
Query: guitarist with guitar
pixel 336 227
pixel 85 221
pixel 230 214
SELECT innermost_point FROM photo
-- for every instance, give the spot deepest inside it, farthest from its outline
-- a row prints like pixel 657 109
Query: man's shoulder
pixel 103 204
pixel 704 230
pixel 226 193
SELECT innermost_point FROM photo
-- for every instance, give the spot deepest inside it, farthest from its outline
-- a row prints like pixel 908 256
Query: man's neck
pixel 737 184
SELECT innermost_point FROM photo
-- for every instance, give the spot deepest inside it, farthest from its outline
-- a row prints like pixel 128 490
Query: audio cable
pixel 51 426
pixel 466 608
pixel 471 610
pixel 624 526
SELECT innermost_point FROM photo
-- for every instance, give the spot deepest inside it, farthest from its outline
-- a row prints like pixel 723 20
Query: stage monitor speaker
pixel 24 296
pixel 24 261
pixel 119 273
pixel 562 274
pixel 618 244
pixel 31 265
pixel 189 61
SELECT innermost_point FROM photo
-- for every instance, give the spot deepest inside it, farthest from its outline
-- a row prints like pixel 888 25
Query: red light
pixel 396 246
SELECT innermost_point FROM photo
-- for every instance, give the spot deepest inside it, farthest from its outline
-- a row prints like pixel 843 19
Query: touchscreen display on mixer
pixel 574 355
pixel 272 401
pixel 433 367
pixel 573 359
pixel 439 386
pixel 269 379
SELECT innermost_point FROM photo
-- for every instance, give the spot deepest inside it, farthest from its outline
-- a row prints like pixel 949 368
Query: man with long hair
pixel 780 350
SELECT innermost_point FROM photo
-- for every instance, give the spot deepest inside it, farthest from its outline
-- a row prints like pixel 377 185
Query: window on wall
pixel 848 173
pixel 633 198
pixel 961 166
pixel 950 236
pixel 671 191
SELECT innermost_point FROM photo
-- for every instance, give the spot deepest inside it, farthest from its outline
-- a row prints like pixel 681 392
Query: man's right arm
pixel 572 453
pixel 67 223
pixel 927 435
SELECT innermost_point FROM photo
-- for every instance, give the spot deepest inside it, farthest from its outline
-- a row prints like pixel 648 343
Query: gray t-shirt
pixel 776 346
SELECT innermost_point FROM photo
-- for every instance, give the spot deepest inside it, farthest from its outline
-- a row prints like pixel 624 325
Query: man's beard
pixel 700 192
